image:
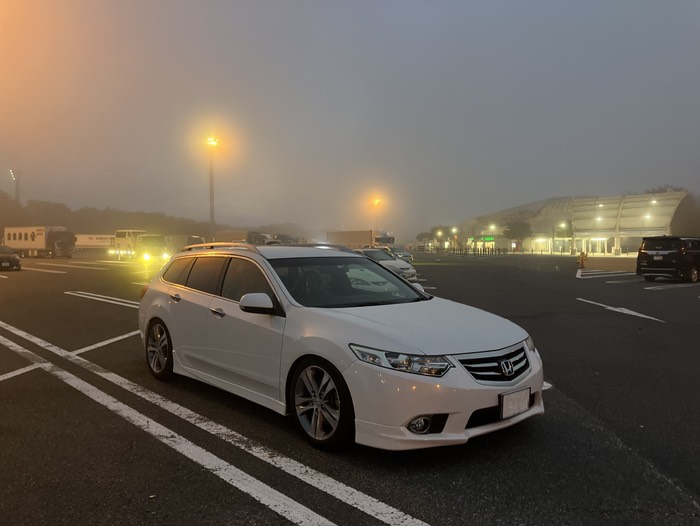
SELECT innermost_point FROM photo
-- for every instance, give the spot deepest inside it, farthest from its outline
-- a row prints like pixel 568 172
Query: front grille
pixel 491 367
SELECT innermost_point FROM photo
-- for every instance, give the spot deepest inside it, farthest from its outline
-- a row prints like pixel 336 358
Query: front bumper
pixel 386 401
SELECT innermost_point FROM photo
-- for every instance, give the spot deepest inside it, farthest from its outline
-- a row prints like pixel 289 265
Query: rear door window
pixel 178 271
pixel 205 274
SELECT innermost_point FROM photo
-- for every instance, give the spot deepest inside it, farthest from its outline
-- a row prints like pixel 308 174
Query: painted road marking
pixel 44 270
pixel 80 266
pixel 106 299
pixel 360 501
pixel 672 286
pixel 592 274
pixel 621 310
pixel 106 342
pixel 276 501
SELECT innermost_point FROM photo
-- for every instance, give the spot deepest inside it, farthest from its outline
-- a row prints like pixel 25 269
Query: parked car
pixel 386 259
pixel 9 259
pixel 670 257
pixel 348 348
pixel 403 253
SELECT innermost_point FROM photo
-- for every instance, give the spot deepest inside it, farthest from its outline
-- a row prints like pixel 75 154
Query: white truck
pixel 359 238
pixel 94 242
pixel 125 243
pixel 40 241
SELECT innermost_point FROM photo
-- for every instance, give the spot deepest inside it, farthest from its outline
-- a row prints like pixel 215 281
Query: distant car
pixel 402 252
pixel 345 346
pixel 9 259
pixel 669 257
pixel 386 259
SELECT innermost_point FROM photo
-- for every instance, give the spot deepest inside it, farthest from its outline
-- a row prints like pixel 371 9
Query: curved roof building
pixel 592 224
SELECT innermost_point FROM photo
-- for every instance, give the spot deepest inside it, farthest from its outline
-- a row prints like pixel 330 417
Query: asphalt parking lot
pixel 90 437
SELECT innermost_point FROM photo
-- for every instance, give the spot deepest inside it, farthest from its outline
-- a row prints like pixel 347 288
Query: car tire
pixel 693 275
pixel 159 350
pixel 321 404
pixel 650 278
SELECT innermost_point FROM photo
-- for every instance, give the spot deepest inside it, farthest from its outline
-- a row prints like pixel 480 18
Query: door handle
pixel 218 312
pixel 175 297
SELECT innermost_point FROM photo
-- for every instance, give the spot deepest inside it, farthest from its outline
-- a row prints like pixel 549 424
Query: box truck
pixel 40 241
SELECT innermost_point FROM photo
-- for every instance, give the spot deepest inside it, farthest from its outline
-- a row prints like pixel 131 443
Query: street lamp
pixel 376 202
pixel 16 177
pixel 213 143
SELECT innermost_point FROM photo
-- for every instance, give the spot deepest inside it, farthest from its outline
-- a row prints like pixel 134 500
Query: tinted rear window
pixel 672 243
pixel 205 274
pixel 178 271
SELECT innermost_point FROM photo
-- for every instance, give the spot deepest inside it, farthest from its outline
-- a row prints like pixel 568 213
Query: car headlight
pixel 530 345
pixel 409 363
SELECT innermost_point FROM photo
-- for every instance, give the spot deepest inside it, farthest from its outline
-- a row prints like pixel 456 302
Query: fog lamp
pixel 420 425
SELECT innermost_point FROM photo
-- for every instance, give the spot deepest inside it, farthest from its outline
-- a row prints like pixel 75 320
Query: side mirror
pixel 418 287
pixel 257 303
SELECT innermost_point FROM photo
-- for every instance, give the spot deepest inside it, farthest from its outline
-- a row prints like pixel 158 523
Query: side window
pixel 244 277
pixel 178 271
pixel 205 273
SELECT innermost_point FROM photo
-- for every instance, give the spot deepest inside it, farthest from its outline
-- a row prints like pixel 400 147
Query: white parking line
pixel 79 266
pixel 107 299
pixel 4 277
pixel 621 310
pixel 672 286
pixel 44 270
pixel 360 501
pixel 273 499
pixel 592 274
pixel 106 342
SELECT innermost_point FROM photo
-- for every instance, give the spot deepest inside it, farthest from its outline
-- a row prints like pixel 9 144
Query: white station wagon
pixel 348 348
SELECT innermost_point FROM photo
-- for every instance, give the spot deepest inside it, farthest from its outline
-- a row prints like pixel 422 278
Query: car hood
pixel 432 327
pixel 396 263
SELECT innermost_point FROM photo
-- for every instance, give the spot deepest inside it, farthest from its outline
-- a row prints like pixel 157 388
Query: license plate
pixel 514 403
pixel 5 264
pixel 658 258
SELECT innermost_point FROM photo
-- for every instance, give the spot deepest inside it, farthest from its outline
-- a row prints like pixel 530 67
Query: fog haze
pixel 444 110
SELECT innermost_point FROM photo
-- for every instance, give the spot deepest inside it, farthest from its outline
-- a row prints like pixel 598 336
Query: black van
pixel 670 257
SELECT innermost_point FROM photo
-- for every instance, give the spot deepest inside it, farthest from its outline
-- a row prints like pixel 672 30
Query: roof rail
pixel 330 246
pixel 220 244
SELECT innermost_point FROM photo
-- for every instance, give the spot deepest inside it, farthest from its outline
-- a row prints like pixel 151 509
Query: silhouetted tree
pixel 517 230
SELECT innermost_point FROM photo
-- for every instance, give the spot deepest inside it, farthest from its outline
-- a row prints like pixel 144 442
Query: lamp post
pixel 376 202
pixel 213 143
pixel 16 174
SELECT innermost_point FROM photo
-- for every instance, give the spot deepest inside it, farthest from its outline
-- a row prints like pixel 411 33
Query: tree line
pixel 90 220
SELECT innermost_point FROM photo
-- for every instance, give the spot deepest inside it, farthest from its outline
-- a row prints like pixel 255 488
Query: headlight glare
pixel 409 363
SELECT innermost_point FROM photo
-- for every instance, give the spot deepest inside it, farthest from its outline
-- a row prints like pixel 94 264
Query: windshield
pixel 152 241
pixel 343 282
pixel 378 255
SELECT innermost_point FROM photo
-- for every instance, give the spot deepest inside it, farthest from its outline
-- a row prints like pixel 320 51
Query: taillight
pixel 144 289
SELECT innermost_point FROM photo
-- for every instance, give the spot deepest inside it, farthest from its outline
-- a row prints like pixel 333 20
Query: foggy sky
pixel 444 109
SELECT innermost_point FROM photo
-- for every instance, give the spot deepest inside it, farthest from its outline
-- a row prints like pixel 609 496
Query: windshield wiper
pixel 422 298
